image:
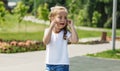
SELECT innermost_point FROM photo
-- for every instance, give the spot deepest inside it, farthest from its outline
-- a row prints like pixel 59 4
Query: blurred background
pixel 22 20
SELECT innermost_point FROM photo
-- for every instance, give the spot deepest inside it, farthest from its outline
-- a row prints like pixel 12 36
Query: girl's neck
pixel 55 30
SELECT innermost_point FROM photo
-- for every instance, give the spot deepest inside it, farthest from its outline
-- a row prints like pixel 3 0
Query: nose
pixel 63 20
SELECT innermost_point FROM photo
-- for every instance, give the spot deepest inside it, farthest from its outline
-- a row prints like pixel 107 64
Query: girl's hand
pixel 70 23
pixel 52 24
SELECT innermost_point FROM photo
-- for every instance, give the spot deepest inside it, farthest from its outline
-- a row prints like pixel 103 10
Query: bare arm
pixel 47 36
pixel 74 37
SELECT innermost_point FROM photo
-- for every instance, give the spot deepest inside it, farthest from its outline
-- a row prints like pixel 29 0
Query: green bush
pixel 21 10
pixel 82 18
pixel 96 18
pixel 42 12
pixel 2 13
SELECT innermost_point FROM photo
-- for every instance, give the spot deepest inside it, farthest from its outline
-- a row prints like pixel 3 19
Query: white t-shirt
pixel 56 49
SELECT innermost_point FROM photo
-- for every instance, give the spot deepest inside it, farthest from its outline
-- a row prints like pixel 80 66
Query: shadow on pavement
pixel 84 63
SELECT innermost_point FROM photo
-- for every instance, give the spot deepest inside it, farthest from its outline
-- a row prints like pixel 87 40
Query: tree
pixel 43 11
pixel 52 3
pixel 2 13
pixel 21 10
pixel 30 4
pixel 103 7
pixel 96 19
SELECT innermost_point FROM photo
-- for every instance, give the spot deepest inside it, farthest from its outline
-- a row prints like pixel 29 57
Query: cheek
pixel 66 22
pixel 57 19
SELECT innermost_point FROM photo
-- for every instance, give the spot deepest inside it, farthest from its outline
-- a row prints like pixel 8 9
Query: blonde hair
pixel 55 9
pixel 53 12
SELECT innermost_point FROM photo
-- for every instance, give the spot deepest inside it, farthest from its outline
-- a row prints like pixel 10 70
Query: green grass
pixel 12 30
pixel 107 54
pixel 11 25
pixel 22 36
pixel 86 33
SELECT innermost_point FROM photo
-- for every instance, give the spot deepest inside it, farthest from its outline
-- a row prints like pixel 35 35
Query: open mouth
pixel 61 23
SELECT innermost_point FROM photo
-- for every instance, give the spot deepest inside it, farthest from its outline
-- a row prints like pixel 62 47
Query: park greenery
pixel 2 14
pixel 107 54
pixel 21 10
pixel 92 13
pixel 14 30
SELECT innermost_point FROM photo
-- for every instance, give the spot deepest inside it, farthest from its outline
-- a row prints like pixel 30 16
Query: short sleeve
pixel 68 34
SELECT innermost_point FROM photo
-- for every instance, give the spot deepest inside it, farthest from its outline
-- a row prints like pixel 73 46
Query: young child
pixel 56 38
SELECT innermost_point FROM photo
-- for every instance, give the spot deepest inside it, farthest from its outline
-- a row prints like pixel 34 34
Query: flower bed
pixel 16 46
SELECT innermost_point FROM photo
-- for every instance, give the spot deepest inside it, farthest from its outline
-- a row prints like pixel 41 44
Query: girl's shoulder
pixel 46 29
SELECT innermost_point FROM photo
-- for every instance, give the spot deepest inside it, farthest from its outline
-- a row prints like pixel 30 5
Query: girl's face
pixel 61 19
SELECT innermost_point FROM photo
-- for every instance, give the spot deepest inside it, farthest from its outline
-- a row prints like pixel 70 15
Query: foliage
pixel 73 7
pixel 43 11
pixel 29 3
pixel 96 18
pixel 52 3
pixel 20 9
pixel 82 18
pixel 108 23
pixel 103 7
pixel 2 13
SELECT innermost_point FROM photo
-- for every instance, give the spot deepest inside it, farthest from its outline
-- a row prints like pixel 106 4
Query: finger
pixel 69 21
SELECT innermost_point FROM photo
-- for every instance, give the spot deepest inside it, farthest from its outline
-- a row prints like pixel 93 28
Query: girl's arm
pixel 74 37
pixel 47 35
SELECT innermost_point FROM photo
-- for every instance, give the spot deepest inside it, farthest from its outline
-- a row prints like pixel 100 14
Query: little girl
pixel 56 38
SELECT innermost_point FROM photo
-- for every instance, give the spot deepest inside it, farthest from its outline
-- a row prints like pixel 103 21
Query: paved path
pixel 94 64
pixel 34 61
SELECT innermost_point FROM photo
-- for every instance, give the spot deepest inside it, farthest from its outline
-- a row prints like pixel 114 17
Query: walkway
pixel 94 64
pixel 34 61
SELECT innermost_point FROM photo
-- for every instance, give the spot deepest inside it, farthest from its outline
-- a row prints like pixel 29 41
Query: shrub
pixel 82 18
pixel 20 9
pixel 42 12
pixel 20 46
pixel 2 13
pixel 96 18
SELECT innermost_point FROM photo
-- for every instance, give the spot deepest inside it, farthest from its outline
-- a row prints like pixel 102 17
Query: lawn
pixel 107 54
pixel 87 33
pixel 22 36
pixel 12 30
